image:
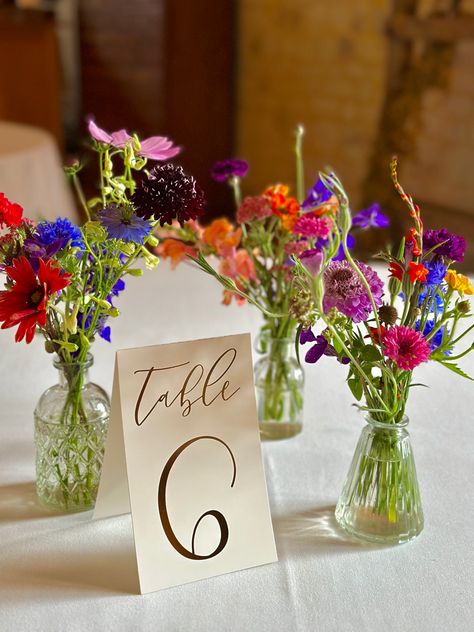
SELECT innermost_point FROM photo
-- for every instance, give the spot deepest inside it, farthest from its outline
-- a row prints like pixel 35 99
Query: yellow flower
pixel 459 282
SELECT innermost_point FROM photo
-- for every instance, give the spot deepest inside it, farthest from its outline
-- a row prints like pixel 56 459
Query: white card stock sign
pixel 183 455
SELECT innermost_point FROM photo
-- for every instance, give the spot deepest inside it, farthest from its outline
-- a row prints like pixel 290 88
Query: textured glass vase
pixel 279 382
pixel 380 501
pixel 70 427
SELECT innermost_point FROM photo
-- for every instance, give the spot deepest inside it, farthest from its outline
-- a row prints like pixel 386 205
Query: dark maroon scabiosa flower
pixel 225 169
pixel 167 194
pixel 453 247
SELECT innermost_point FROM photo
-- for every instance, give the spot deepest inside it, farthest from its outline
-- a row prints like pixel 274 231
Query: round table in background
pixel 31 172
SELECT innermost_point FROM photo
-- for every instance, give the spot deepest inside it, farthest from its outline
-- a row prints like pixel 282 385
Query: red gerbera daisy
pixel 25 304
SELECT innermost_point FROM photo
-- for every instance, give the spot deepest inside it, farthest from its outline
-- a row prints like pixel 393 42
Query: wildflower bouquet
pixel 62 281
pixel 382 335
pixel 255 265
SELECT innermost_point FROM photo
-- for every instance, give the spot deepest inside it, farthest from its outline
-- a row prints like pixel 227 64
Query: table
pixel 66 572
pixel 31 172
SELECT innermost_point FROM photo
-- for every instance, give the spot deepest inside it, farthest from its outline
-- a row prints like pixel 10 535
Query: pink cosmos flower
pixel 154 148
pixel 406 347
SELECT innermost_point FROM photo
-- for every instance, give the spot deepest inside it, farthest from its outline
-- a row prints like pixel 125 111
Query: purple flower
pixel 225 169
pixel 320 348
pixel 312 260
pixel 371 217
pixel 344 290
pixel 340 256
pixel 123 224
pixel 317 195
pixel 154 148
pixel 448 245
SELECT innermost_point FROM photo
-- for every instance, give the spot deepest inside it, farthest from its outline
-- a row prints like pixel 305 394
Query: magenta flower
pixel 225 169
pixel 153 148
pixel 344 290
pixel 406 347
pixel 312 226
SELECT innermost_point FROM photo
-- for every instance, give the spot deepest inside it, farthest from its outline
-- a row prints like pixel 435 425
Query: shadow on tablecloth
pixel 315 531
pixel 18 502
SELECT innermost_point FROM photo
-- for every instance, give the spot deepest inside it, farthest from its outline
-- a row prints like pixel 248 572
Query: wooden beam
pixel 440 29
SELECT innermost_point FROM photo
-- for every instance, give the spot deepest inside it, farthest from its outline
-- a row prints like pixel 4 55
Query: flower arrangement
pixel 382 334
pixel 255 265
pixel 62 280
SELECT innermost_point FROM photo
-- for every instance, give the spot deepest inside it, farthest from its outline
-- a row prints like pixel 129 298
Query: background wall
pixel 368 79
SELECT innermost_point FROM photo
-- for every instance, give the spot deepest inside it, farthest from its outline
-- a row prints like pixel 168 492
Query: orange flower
pixel 238 266
pixel 327 208
pixel 289 221
pixel 417 272
pixel 174 250
pixel 222 236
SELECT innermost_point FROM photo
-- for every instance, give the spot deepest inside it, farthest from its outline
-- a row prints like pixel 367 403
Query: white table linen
pixel 66 572
pixel 31 172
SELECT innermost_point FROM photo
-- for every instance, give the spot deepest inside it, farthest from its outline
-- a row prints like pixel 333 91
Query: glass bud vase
pixel 279 382
pixel 380 501
pixel 70 427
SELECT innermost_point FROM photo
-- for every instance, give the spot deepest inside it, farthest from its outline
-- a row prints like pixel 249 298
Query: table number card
pixel 183 455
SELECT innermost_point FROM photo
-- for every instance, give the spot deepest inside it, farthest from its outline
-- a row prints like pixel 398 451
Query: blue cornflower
pixel 437 339
pixel 60 233
pixel 436 303
pixel 436 271
pixel 317 195
pixel 123 224
pixel 371 217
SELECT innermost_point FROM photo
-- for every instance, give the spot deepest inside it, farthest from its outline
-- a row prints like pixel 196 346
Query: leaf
pixel 356 388
pixel 418 384
pixel 454 367
pixel 369 353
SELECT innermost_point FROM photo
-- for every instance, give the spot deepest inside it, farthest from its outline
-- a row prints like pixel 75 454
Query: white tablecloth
pixel 67 573
pixel 31 172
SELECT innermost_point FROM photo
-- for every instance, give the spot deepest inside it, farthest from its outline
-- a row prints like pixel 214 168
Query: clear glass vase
pixel 279 382
pixel 380 501
pixel 70 427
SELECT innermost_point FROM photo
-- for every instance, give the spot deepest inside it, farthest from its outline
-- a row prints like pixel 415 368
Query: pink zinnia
pixel 344 290
pixel 312 226
pixel 253 207
pixel 406 347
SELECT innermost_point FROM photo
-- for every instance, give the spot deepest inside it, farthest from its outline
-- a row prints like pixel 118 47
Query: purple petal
pixel 317 350
pixel 340 256
pixel 306 335
pixel 97 133
pixel 312 260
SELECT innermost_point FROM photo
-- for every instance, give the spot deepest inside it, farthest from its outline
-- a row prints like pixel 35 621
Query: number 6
pixel 176 544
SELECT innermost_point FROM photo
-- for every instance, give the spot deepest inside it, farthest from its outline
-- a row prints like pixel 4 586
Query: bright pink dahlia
pixel 406 347
pixel 253 207
pixel 312 226
pixel 344 290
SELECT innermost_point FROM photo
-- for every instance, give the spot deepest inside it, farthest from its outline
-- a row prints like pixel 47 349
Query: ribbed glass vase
pixel 380 501
pixel 70 427
pixel 279 382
